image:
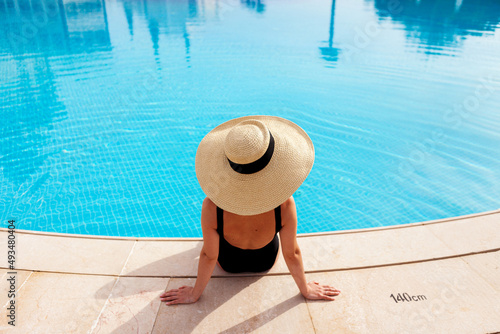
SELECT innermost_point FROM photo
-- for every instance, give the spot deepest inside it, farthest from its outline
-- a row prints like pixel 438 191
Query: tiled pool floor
pixel 448 269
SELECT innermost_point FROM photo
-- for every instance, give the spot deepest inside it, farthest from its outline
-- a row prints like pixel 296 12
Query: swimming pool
pixel 103 104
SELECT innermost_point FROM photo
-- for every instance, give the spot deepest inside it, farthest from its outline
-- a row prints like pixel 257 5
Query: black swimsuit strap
pixel 277 218
pixel 220 228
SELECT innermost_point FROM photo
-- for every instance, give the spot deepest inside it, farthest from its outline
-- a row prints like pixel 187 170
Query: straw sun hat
pixel 250 165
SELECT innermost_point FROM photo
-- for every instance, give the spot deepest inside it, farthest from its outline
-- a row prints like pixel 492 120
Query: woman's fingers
pixel 330 288
pixel 325 296
pixel 173 302
pixel 168 293
pixel 174 297
pixel 181 295
pixel 169 297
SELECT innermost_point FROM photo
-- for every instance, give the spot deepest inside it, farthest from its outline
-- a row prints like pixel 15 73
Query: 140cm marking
pixel 405 297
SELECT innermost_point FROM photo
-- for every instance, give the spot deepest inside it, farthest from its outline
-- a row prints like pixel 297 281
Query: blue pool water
pixel 103 104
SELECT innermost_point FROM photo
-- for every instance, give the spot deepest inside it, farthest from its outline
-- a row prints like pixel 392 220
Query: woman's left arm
pixel 206 265
pixel 293 256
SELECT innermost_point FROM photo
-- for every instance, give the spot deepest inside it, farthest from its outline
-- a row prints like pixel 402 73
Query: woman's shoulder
pixel 288 212
pixel 208 204
pixel 209 213
pixel 288 204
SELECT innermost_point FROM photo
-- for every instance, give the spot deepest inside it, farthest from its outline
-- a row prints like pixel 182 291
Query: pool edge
pixel 300 235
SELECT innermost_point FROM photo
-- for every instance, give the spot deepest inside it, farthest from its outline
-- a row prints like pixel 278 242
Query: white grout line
pixel 128 257
pixel 96 321
pixel 310 316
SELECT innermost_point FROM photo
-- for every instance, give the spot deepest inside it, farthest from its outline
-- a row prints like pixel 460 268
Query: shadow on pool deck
pixel 449 270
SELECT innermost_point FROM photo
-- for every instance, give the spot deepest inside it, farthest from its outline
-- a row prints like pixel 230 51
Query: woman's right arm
pixel 208 258
pixel 293 256
pixel 210 250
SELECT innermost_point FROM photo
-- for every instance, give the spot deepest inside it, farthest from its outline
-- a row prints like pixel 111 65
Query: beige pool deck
pixel 449 270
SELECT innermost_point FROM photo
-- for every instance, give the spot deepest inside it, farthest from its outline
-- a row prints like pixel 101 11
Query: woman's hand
pixel 317 291
pixel 182 295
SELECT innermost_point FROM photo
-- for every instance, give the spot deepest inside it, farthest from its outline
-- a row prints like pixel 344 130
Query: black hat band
pixel 257 165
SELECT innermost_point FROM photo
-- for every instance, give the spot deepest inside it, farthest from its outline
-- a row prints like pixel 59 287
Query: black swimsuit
pixel 236 260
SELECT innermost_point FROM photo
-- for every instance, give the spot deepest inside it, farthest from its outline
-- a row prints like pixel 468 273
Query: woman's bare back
pixel 249 232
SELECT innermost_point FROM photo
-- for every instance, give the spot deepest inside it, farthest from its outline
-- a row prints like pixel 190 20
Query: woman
pixel 249 167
